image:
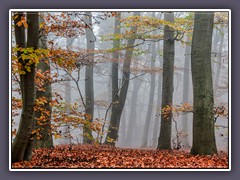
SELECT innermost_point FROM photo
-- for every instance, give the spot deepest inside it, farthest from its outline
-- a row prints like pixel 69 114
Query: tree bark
pixel 158 109
pixel 151 98
pixel 186 77
pixel 164 141
pixel 114 114
pixel 203 101
pixel 219 61
pixel 46 140
pixel 119 100
pixel 133 114
pixel 22 145
pixel 89 90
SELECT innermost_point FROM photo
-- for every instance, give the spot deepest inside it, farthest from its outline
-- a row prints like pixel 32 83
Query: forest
pixel 119 89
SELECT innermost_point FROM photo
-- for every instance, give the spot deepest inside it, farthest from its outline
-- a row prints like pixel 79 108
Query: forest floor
pixel 90 156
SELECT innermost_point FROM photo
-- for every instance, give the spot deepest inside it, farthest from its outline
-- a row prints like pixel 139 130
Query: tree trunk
pixel 186 74
pixel 46 140
pixel 133 114
pixel 151 98
pixel 114 113
pixel 158 109
pixel 219 61
pixel 89 90
pixel 68 95
pixel 119 101
pixel 164 141
pixel 203 117
pixel 21 149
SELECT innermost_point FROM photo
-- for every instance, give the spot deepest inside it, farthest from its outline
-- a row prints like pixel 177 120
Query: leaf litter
pixel 103 156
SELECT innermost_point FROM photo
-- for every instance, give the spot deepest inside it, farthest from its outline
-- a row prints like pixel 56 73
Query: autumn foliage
pixel 90 156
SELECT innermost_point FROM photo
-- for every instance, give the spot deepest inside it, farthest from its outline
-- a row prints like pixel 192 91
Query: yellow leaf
pixel 56 136
pixel 15 17
pixel 41 25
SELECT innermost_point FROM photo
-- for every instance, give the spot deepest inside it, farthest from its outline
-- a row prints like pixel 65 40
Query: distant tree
pixel 219 59
pixel 164 141
pixel 203 118
pixel 120 93
pixel 186 79
pixel 21 148
pixel 89 90
pixel 156 126
pixel 137 82
pixel 151 96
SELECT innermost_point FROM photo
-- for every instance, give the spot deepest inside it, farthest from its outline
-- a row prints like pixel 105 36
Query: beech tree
pixel 21 144
pixel 120 97
pixel 203 101
pixel 43 126
pixel 164 141
pixel 89 90
pixel 186 79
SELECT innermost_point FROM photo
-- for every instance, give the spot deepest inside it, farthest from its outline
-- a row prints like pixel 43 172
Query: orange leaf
pixel 25 24
pixel 19 23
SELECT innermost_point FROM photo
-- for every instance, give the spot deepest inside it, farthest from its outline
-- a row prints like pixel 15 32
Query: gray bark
pixel 89 90
pixel 158 109
pixel 164 141
pixel 219 61
pixel 68 96
pixel 151 98
pixel 133 114
pixel 203 101
pixel 119 100
pixel 46 140
pixel 186 78
pixel 115 65
pixel 22 145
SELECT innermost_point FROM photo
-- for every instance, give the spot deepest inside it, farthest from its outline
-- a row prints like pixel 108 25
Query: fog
pixel 131 130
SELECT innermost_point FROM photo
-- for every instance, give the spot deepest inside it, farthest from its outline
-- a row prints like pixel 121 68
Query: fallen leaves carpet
pixel 90 156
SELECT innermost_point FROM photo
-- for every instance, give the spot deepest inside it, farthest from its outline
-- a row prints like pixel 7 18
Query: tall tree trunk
pixel 133 114
pixel 186 74
pixel 46 140
pixel 22 145
pixel 219 60
pixel 151 98
pixel 158 109
pixel 68 95
pixel 203 101
pixel 116 44
pixel 119 101
pixel 164 141
pixel 89 90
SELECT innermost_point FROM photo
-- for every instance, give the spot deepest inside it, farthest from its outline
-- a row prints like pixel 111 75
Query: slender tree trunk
pixel 133 114
pixel 116 44
pixel 203 117
pixel 119 101
pixel 186 78
pixel 215 41
pixel 89 90
pixel 158 109
pixel 46 140
pixel 22 145
pixel 164 141
pixel 219 61
pixel 123 128
pixel 151 98
pixel 68 96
